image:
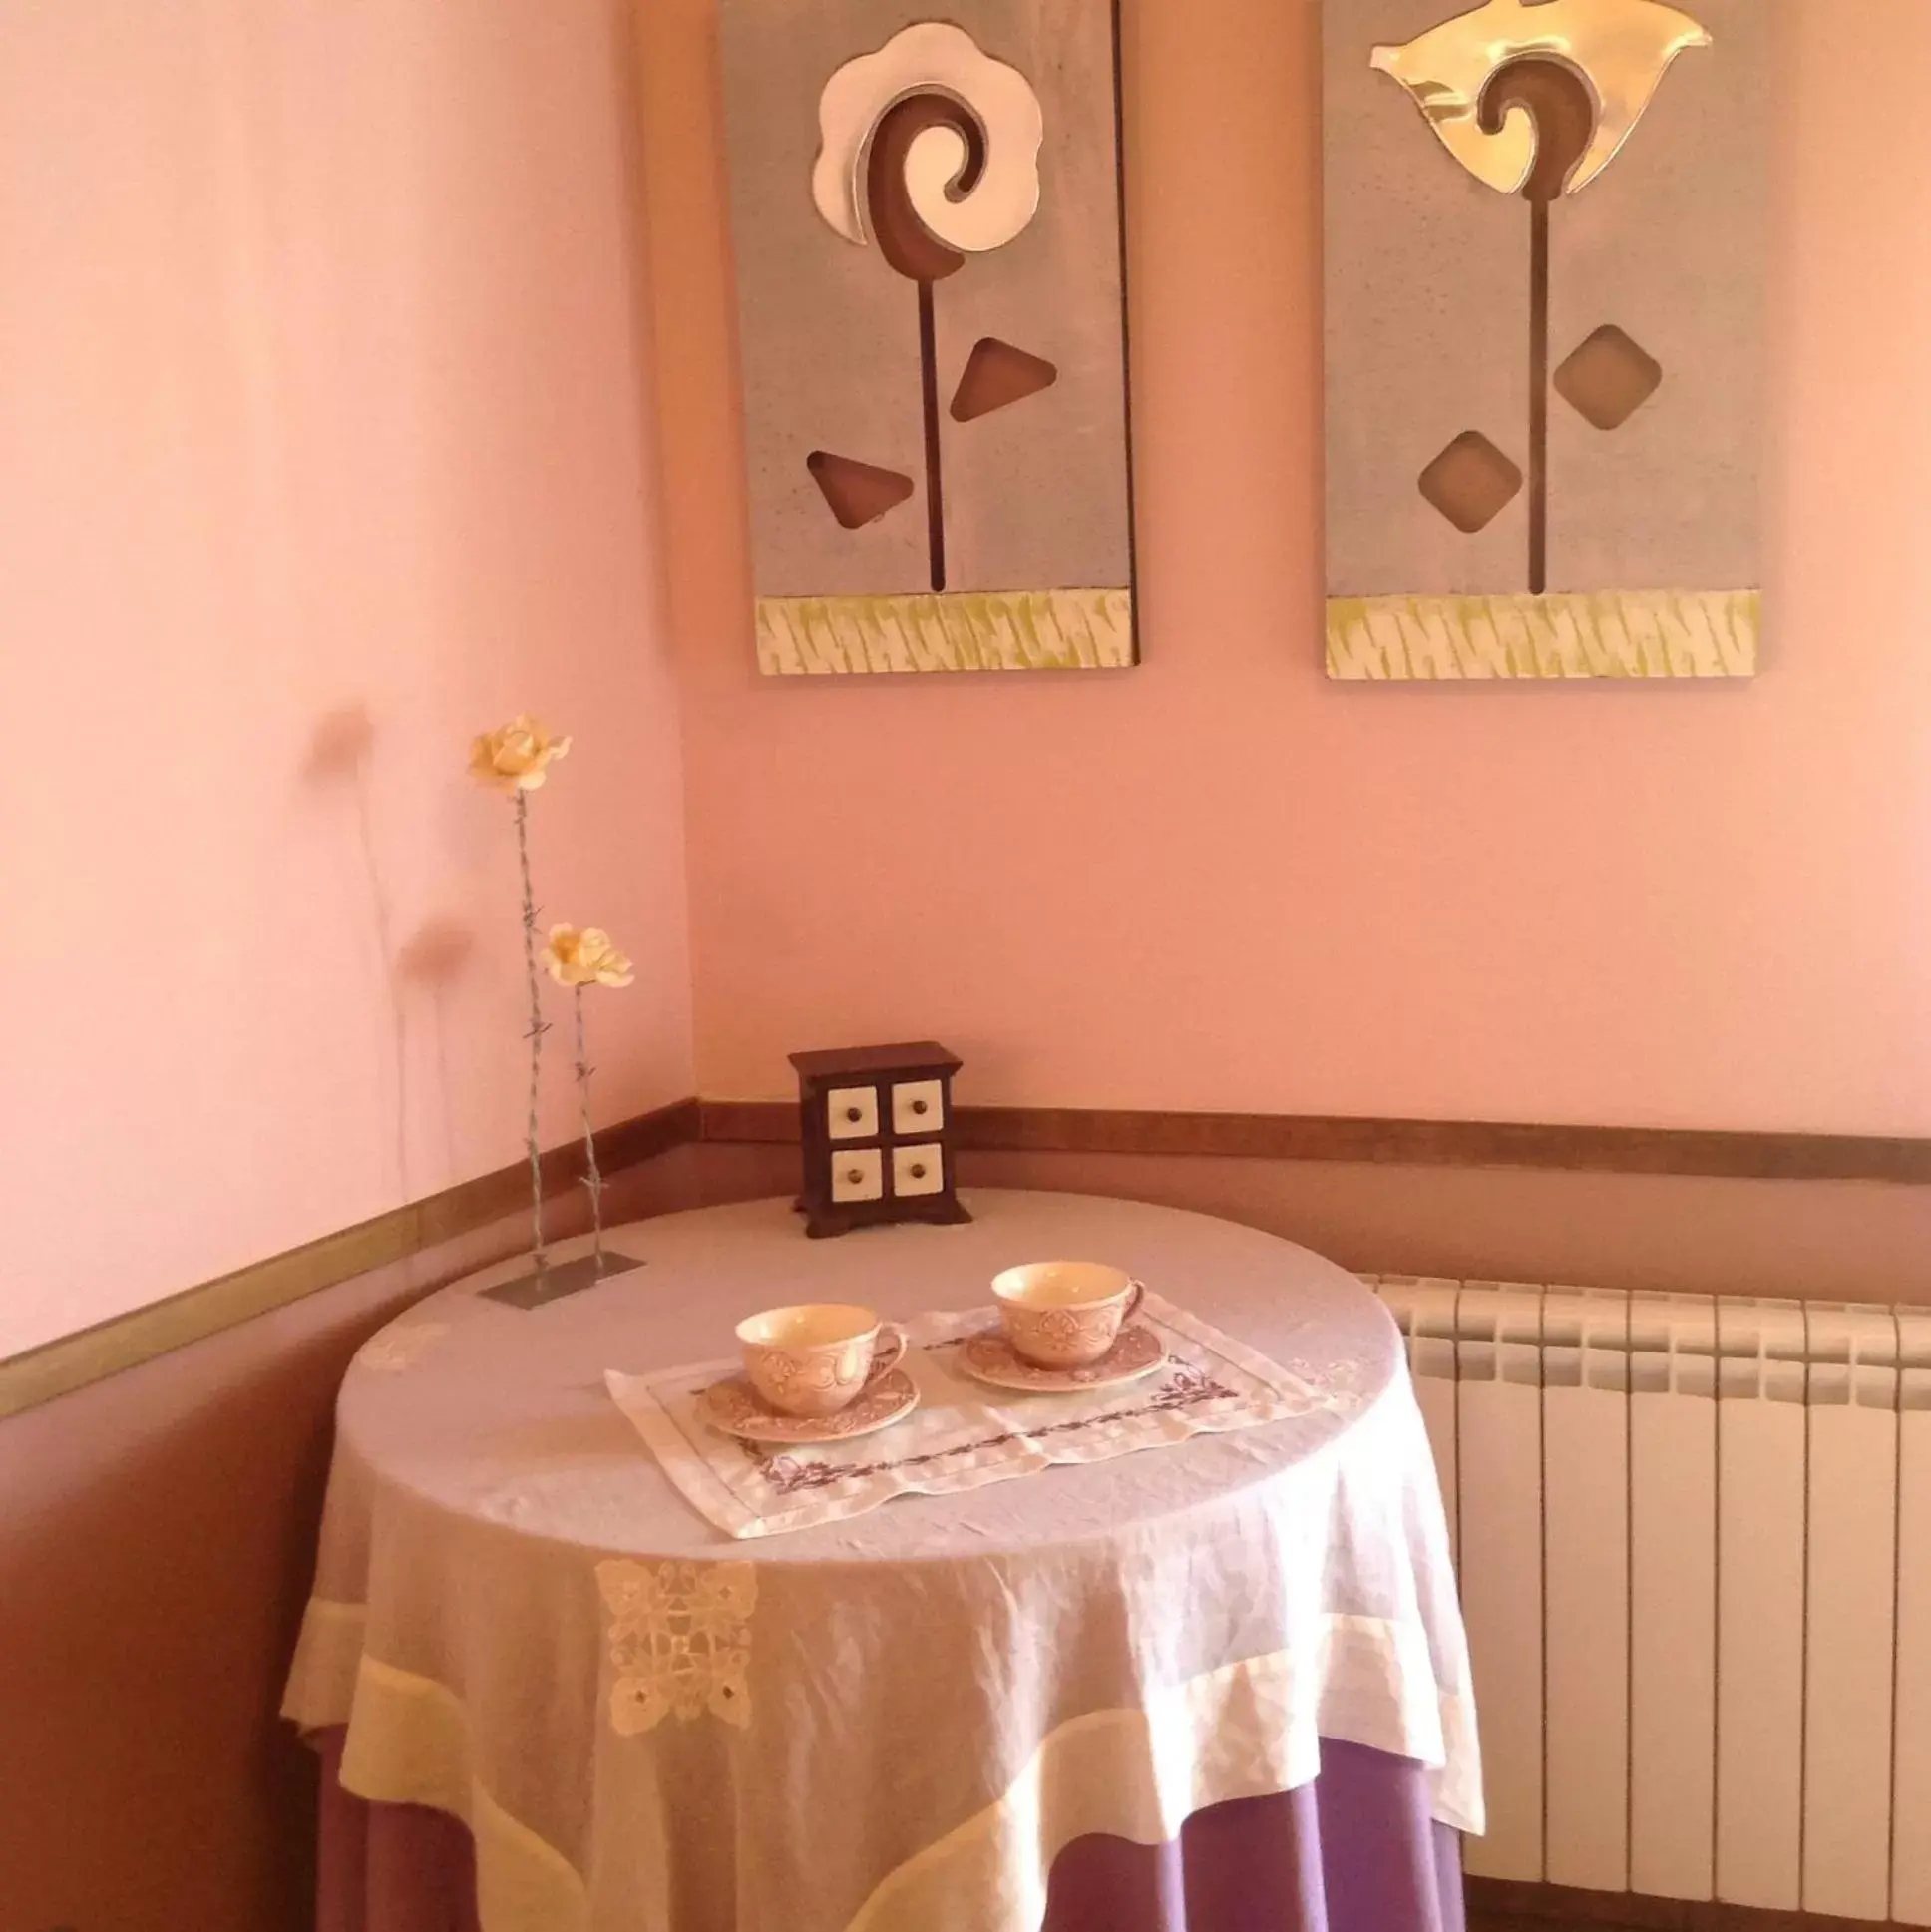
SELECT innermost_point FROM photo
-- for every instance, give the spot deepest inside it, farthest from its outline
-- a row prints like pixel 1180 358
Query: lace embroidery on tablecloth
pixel 1184 1386
pixel 396 1348
pixel 1342 1385
pixel 680 1640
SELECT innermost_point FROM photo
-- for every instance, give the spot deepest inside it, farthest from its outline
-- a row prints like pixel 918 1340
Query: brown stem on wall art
pixel 1563 106
pixel 929 410
pixel 918 255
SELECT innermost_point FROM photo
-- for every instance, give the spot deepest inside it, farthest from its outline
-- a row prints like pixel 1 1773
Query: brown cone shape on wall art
pixel 857 493
pixel 998 374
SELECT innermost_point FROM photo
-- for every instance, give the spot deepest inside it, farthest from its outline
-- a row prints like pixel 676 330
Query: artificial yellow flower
pixel 514 757
pixel 584 959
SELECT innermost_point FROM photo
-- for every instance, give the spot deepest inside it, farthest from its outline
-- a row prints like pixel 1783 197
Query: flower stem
pixel 536 1028
pixel 928 403
pixel 592 1177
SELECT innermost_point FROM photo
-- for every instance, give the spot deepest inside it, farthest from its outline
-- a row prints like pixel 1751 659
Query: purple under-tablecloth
pixel 1354 1851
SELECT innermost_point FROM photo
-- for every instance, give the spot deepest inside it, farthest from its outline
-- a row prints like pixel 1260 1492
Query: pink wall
pixel 1218 882
pixel 326 438
pixel 322 445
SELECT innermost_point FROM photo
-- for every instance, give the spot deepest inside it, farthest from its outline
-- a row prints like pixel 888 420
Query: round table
pixel 902 1719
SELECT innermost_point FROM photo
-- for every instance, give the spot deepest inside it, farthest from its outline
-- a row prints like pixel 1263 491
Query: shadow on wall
pixel 429 961
pixel 433 958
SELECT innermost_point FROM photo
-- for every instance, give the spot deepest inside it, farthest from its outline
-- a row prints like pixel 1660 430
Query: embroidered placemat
pixel 963 1433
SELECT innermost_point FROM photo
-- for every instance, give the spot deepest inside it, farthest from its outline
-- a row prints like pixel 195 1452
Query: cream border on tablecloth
pixel 407 1742
pixel 1247 1729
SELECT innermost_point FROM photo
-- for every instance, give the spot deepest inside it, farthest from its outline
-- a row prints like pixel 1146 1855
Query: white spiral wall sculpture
pixel 970 176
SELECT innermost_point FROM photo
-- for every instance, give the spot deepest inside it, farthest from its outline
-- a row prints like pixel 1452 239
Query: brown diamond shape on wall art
pixel 1608 378
pixel 1470 480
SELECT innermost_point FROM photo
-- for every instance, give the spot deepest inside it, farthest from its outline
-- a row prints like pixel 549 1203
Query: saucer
pixel 736 1408
pixel 990 1358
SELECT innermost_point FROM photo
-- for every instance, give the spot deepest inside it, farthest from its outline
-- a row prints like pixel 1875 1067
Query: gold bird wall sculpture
pixel 1621 48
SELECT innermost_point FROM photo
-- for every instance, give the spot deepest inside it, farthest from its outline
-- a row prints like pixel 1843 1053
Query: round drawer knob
pixel 918 1170
pixel 919 1106
pixel 852 1113
pixel 853 1175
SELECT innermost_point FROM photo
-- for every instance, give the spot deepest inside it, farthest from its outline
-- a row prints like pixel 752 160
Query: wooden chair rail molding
pixel 74 1361
pixel 1411 1143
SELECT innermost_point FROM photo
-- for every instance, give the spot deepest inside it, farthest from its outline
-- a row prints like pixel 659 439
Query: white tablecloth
pixel 891 1723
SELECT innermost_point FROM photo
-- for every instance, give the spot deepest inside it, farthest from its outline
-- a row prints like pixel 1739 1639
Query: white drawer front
pixel 857 1174
pixel 918 1107
pixel 917 1169
pixel 853 1112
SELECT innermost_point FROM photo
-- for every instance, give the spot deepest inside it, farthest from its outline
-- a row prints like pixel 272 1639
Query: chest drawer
pixel 918 1106
pixel 857 1174
pixel 852 1113
pixel 917 1168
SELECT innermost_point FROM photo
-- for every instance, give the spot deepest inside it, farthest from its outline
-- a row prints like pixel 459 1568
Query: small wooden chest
pixel 877 1131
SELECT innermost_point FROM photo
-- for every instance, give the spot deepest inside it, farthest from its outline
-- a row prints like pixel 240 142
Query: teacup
pixel 1064 1314
pixel 814 1358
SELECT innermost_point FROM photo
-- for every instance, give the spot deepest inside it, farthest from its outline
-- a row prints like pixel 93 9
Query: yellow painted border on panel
pixel 1566 635
pixel 957 630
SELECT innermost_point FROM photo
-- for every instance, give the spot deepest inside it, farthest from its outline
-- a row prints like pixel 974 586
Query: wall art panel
pixel 1546 231
pixel 925 215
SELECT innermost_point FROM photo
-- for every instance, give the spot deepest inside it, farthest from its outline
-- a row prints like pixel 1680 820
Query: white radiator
pixel 1694 1546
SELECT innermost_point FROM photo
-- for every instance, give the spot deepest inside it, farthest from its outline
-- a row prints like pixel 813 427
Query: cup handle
pixel 1135 1291
pixel 889 1351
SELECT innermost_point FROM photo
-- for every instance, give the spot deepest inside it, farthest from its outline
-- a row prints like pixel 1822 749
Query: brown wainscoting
pixel 1503 1905
pixel 157 1540
pixel 143 1334
pixel 74 1361
pixel 1402 1143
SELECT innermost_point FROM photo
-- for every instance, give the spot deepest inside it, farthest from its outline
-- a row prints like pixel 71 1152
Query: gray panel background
pixel 1427 325
pixel 1035 494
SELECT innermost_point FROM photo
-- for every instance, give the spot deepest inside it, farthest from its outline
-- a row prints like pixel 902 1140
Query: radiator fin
pixel 1911 1712
pixel 1759 1610
pixel 1500 1434
pixel 1851 1639
pixel 1672 1633
pixel 1585 1424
